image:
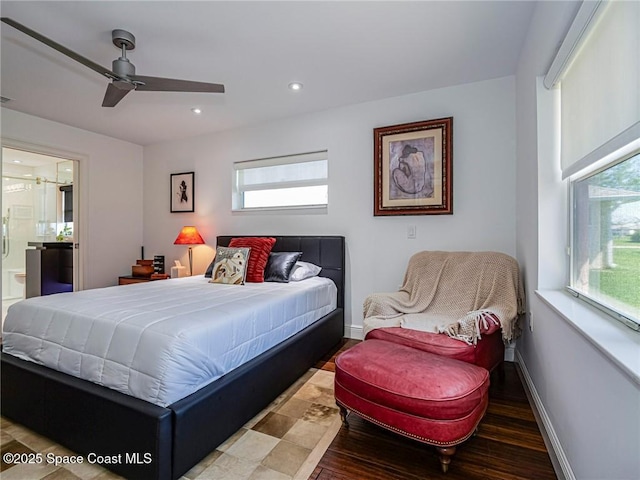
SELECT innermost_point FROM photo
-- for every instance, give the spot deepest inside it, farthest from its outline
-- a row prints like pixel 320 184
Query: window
pixel 598 72
pixel 293 181
pixel 605 250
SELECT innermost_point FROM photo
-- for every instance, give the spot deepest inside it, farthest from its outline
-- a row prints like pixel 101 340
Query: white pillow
pixel 304 270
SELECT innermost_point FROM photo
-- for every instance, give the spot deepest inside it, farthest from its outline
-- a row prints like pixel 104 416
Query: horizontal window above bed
pixel 290 181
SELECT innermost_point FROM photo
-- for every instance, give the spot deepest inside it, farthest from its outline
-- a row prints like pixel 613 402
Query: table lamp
pixel 189 236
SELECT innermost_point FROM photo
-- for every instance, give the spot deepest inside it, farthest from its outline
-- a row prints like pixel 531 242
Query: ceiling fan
pixel 123 74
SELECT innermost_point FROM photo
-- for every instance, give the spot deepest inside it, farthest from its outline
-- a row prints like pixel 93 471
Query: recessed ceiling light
pixel 295 86
pixel 67 169
pixel 196 110
pixel 27 175
pixel 17 161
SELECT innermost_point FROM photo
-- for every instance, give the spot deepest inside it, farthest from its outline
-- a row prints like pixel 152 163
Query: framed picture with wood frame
pixel 412 168
pixel 182 192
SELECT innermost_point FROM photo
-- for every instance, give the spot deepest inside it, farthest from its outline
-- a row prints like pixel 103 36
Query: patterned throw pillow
pixel 260 250
pixel 230 265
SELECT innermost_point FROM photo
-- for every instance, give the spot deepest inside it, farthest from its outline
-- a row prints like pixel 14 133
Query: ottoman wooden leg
pixel 343 416
pixel 445 454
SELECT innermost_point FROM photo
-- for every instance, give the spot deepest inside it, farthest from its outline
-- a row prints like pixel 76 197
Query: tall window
pixel 281 182
pixel 598 72
pixel 605 251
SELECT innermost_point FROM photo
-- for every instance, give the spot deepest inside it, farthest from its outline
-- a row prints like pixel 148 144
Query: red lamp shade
pixel 189 236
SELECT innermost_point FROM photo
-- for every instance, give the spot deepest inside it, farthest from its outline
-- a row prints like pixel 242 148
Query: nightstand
pixel 128 280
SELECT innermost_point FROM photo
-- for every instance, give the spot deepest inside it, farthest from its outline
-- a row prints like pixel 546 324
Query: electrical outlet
pixel 411 231
pixel 531 321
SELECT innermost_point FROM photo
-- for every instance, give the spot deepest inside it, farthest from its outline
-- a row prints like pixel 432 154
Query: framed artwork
pixel 412 168
pixel 182 190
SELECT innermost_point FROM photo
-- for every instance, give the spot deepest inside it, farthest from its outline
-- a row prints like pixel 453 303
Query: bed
pixel 146 440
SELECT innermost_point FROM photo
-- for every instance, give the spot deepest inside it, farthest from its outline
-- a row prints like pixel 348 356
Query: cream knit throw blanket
pixel 453 293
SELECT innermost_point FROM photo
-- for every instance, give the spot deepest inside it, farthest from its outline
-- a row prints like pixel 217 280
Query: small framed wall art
pixel 412 168
pixel 182 192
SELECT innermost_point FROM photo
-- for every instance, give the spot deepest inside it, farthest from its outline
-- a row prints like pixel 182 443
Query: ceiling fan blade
pixel 113 95
pixel 157 84
pixel 64 50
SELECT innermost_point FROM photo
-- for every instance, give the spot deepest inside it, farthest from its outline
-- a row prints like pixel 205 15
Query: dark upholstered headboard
pixel 327 252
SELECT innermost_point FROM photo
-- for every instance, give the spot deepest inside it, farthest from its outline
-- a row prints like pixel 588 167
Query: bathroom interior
pixel 37 207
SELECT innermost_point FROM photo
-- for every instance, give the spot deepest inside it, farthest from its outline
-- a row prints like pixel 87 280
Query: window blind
pixel 294 170
pixel 600 83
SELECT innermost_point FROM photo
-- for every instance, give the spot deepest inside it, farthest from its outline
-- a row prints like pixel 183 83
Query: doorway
pixel 38 206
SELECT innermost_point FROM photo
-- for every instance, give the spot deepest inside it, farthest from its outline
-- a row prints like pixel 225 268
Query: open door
pixel 40 209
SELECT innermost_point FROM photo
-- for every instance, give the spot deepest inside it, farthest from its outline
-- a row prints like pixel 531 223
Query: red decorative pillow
pixel 260 250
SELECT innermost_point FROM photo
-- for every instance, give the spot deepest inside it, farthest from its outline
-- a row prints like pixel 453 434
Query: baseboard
pixel 354 332
pixel 554 447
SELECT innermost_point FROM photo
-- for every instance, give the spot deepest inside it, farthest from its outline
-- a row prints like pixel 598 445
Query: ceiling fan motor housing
pixel 123 67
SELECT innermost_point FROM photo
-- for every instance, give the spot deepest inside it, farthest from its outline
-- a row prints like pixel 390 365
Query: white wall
pixel 110 191
pixel 377 247
pixel 592 406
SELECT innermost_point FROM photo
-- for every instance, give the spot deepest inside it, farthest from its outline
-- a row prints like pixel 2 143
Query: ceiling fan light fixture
pixel 295 86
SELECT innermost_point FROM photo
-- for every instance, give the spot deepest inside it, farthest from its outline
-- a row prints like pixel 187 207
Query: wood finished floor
pixel 508 444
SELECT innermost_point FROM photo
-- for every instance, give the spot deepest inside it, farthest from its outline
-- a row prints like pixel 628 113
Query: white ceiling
pixel 343 53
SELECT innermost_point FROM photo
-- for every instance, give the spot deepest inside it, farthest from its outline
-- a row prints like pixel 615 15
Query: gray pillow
pixel 279 266
pixel 304 270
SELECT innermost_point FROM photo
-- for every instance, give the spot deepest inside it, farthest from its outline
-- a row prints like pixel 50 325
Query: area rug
pixel 283 442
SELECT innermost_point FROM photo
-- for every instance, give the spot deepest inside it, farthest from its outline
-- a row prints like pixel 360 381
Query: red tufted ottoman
pixel 427 397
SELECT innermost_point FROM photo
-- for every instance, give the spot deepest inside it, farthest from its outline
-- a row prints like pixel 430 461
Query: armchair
pixel 462 305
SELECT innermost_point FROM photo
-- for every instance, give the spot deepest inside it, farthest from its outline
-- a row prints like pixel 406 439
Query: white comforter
pixel 161 341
